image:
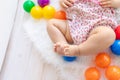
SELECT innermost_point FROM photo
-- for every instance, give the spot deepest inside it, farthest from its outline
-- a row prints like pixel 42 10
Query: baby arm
pixel 110 3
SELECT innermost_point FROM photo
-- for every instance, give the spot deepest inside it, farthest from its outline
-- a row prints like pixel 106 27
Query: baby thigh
pixel 58 30
pixel 102 36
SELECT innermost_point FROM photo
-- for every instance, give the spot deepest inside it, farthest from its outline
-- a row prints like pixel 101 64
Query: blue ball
pixel 115 48
pixel 69 58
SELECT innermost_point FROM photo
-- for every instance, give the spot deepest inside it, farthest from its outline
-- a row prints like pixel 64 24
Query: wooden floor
pixel 7 17
pixel 21 61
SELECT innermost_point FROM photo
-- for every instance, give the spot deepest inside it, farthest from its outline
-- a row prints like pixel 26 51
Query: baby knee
pixel 105 35
pixel 50 22
pixel 108 35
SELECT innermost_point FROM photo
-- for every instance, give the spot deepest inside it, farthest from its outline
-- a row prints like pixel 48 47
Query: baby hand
pixel 110 3
pixel 66 3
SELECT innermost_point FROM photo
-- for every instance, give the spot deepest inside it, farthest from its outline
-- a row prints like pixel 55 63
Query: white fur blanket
pixel 36 30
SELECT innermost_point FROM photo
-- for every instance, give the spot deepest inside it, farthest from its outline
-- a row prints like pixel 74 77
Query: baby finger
pixel 105 3
pixel 68 3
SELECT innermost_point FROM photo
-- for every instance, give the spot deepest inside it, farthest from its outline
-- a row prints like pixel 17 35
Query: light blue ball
pixel 115 48
pixel 69 58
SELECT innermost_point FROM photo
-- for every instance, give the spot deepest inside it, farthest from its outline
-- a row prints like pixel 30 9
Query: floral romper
pixel 85 15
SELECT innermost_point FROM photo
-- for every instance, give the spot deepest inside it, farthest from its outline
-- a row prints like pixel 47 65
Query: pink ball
pixel 117 31
pixel 43 3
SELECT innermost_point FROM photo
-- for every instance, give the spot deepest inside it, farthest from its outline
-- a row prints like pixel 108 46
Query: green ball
pixel 28 5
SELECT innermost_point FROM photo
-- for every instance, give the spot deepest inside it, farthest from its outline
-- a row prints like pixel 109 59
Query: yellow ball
pixel 36 12
pixel 48 12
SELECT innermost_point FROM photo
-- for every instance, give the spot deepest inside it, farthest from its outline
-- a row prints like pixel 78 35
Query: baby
pixel 89 27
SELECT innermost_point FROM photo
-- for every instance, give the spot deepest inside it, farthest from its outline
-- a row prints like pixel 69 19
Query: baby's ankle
pixel 77 50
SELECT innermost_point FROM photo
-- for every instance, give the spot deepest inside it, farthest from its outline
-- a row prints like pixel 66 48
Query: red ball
pixel 60 15
pixel 117 32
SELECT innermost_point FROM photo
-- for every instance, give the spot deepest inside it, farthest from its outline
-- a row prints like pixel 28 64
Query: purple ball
pixel 43 3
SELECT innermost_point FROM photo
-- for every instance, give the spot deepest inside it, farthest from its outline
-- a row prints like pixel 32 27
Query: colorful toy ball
pixel 48 12
pixel 92 73
pixel 113 73
pixel 102 60
pixel 28 5
pixel 117 31
pixel 69 58
pixel 43 3
pixel 115 48
pixel 36 12
pixel 60 15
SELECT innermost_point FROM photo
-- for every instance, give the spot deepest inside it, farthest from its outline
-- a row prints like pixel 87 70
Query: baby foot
pixel 71 50
pixel 59 48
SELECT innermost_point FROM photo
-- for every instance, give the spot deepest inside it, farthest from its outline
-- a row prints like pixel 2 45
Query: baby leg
pixel 59 34
pixel 99 39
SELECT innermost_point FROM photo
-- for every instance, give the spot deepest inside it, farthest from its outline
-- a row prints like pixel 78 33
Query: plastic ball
pixel 43 3
pixel 48 12
pixel 115 48
pixel 36 12
pixel 92 73
pixel 117 31
pixel 60 15
pixel 69 58
pixel 113 73
pixel 28 6
pixel 102 60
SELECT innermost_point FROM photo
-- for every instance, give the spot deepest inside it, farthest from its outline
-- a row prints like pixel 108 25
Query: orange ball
pixel 113 73
pixel 92 74
pixel 102 60
pixel 60 15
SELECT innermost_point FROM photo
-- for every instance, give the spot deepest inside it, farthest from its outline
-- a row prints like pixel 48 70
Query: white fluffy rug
pixel 36 30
